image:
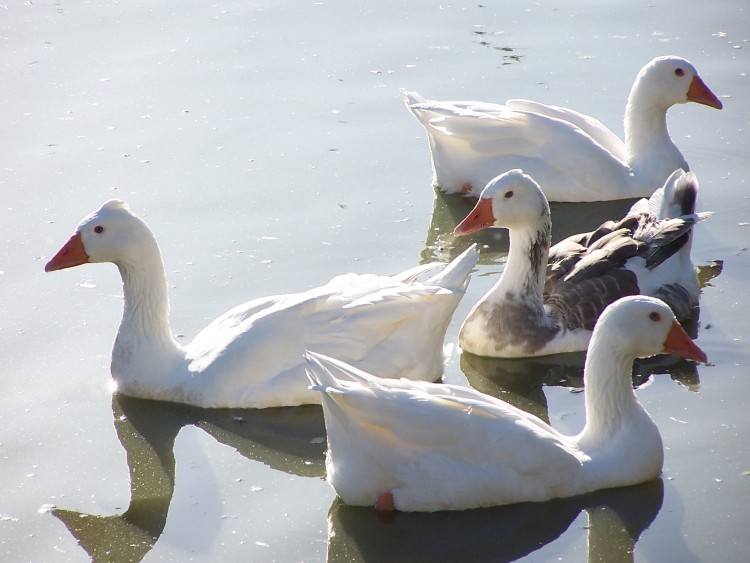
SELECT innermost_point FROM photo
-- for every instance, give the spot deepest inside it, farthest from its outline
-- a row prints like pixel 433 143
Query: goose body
pixel 572 155
pixel 416 446
pixel 252 355
pixel 547 300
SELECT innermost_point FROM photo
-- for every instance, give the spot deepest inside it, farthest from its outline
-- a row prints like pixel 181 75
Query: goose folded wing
pixel 581 254
pixel 608 252
pixel 579 304
pixel 590 125
pixel 662 239
pixel 420 420
pixel 590 279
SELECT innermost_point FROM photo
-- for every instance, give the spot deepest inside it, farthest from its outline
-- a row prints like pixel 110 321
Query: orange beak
pixel 699 92
pixel 678 343
pixel 480 218
pixel 72 254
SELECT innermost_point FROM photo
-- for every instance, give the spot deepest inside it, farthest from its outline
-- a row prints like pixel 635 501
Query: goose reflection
pixel 289 439
pixel 521 382
pixel 616 519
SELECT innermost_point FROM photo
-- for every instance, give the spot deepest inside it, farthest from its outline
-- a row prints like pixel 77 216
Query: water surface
pixel 267 146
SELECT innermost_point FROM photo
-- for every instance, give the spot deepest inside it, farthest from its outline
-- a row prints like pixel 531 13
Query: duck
pixel 568 152
pixel 252 355
pixel 548 300
pixel 417 446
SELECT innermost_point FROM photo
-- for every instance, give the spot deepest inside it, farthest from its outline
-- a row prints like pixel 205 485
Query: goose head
pixel 510 200
pixel 666 81
pixel 112 233
pixel 644 326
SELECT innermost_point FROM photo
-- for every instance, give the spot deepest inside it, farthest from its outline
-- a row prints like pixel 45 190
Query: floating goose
pixel 549 304
pixel 574 156
pixel 415 446
pixel 251 356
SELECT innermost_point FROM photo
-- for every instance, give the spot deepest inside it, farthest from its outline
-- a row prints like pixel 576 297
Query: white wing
pixel 485 140
pixel 442 445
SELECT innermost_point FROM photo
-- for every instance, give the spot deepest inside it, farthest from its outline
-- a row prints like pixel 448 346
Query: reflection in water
pixel 617 518
pixel 707 272
pixel 519 381
pixel 290 439
pixel 447 212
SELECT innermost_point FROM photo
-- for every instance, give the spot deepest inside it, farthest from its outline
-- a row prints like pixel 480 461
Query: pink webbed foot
pixel 385 503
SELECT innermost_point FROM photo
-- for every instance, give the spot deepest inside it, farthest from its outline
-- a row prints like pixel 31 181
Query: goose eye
pixel 679 72
pixel 98 229
pixel 656 317
pixel 509 194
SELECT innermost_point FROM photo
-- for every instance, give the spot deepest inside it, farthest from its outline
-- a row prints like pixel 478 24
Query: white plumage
pixel 573 156
pixel 418 446
pixel 251 356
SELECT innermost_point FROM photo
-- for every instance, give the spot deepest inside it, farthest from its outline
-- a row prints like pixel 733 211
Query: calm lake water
pixel 267 145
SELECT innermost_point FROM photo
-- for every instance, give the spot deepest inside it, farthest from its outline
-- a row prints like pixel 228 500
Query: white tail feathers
pixel 677 197
pixel 456 274
pixel 324 373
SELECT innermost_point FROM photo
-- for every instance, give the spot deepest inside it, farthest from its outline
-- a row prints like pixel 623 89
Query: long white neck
pixel 146 308
pixel 610 399
pixel 144 349
pixel 646 128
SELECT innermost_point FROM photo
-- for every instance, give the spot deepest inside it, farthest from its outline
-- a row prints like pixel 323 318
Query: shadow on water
pixel 291 440
pixel 521 382
pixel 617 518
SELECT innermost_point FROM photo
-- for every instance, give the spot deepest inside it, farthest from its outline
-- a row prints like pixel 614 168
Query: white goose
pixel 251 356
pixel 548 300
pixel 567 152
pixel 411 446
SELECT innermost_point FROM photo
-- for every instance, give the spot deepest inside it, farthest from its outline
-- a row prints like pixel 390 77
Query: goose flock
pixel 370 348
